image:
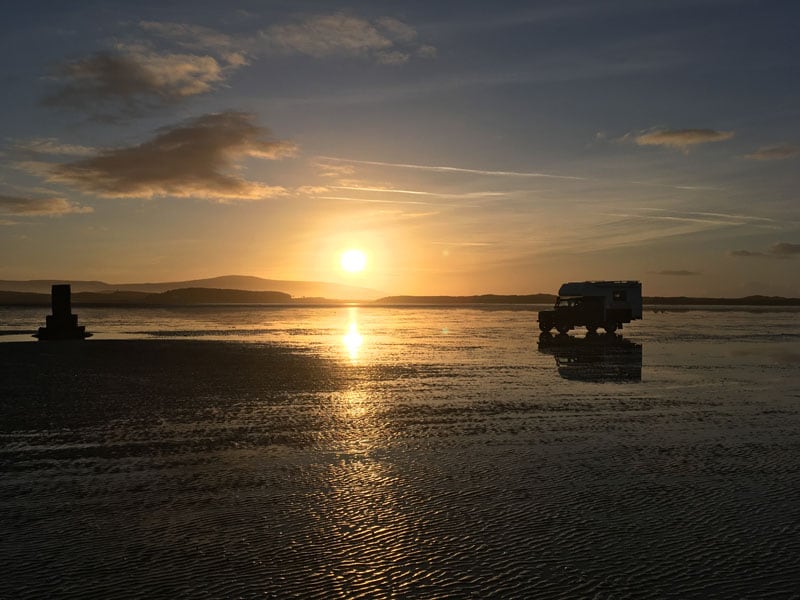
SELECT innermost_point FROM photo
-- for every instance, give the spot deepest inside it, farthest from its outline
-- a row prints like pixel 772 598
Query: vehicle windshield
pixel 567 301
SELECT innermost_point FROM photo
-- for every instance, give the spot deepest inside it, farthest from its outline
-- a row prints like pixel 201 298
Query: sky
pixel 463 147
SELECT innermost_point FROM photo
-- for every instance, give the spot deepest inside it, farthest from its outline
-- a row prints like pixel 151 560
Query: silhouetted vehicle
pixel 597 357
pixel 594 304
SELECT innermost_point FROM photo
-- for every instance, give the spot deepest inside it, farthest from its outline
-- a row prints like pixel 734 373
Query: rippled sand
pixel 200 469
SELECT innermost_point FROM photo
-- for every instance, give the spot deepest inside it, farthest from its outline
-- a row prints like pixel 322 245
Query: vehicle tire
pixel 610 327
pixel 544 326
pixel 591 329
pixel 562 328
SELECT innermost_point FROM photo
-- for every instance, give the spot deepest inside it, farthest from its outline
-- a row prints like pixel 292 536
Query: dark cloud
pixel 681 139
pixel 124 82
pixel 678 272
pixel 192 159
pixel 27 206
pixel 779 250
pixel 774 153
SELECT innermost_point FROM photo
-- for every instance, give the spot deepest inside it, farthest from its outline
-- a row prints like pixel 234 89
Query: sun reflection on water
pixel 353 340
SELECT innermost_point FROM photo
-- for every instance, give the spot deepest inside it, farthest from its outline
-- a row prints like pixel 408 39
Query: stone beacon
pixel 62 324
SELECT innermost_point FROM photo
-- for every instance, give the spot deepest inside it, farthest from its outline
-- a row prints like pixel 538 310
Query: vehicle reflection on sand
pixel 596 358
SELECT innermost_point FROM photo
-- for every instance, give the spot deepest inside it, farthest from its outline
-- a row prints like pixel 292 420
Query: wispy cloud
pixel 384 40
pixel 375 200
pixel 711 217
pixel 463 244
pixel 465 195
pixel 774 152
pixel 677 273
pixel 681 139
pixel 192 159
pixel 52 146
pixel 29 206
pixel 196 37
pixel 781 250
pixel 447 169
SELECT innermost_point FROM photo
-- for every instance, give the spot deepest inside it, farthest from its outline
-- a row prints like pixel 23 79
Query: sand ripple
pixel 207 470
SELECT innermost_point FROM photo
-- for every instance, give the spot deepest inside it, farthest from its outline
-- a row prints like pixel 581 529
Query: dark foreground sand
pixel 192 469
pixel 83 383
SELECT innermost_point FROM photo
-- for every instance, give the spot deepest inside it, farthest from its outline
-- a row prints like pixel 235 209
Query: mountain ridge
pixel 296 289
pixel 195 296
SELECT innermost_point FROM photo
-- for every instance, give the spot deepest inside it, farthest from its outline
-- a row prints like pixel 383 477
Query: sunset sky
pixel 464 147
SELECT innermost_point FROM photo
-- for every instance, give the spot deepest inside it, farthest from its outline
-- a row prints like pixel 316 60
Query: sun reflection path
pixel 353 340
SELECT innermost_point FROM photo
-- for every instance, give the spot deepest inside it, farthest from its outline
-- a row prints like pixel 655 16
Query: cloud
pixel 784 249
pixel 196 37
pixel 189 36
pixel 52 146
pixel 779 250
pixel 191 159
pixel 774 152
pixel 681 139
pixel 25 206
pixel 334 170
pixel 384 40
pixel 134 76
pixel 446 169
pixel 678 273
pixel 127 81
pixel 388 190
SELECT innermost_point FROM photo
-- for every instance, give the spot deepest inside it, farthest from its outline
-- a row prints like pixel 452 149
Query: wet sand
pixel 200 469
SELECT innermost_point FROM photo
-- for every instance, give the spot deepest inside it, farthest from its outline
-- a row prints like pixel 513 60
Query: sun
pixel 354 261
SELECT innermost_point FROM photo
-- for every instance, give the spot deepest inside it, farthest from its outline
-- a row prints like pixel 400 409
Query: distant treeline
pixel 192 296
pixel 550 299
pixel 746 301
pixel 482 299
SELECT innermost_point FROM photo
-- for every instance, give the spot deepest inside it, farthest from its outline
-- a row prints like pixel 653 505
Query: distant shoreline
pixel 212 297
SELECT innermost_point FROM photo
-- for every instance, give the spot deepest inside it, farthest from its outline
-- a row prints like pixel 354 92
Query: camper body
pixel 594 304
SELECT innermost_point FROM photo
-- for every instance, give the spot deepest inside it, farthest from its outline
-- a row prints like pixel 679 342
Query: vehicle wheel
pixel 610 327
pixel 562 328
pixel 544 326
pixel 591 329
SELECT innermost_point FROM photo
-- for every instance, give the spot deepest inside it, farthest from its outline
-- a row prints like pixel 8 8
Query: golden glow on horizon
pixel 354 261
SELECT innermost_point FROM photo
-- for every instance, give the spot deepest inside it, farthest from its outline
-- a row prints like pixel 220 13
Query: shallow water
pixel 424 453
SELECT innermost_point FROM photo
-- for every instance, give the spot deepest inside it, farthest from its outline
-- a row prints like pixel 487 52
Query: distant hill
pixel 212 296
pixel 296 289
pixel 180 297
pixel 192 295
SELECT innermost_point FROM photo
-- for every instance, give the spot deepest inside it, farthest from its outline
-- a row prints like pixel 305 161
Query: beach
pixel 194 468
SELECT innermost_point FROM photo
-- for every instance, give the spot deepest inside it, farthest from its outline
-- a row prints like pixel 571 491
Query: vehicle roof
pixel 582 288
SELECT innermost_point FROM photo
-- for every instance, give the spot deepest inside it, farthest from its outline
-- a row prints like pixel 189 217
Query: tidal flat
pixel 415 454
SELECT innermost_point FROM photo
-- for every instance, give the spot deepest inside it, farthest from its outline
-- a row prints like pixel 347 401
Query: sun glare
pixel 354 261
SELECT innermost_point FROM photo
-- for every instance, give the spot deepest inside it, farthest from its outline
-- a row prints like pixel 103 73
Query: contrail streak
pixel 446 169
